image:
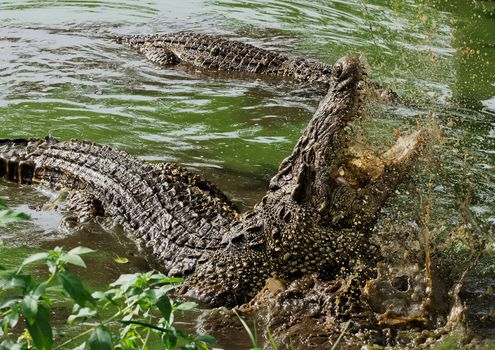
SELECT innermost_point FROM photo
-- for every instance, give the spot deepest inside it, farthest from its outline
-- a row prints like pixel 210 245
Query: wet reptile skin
pixel 216 53
pixel 178 215
pixel 311 218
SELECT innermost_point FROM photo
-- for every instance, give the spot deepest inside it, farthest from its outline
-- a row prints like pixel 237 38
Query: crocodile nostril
pixel 401 283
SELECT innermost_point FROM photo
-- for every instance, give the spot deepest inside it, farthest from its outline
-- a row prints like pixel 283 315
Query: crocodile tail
pixel 83 165
pixel 13 164
pixel 178 215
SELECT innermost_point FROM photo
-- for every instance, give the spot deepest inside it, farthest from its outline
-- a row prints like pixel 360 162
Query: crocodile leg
pixel 159 55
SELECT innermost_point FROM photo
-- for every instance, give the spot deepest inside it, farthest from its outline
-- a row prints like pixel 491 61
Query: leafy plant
pixel 8 216
pixel 124 316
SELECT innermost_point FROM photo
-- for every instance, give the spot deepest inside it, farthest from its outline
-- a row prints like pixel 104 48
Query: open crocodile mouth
pixel 331 170
pixel 351 180
pixel 362 164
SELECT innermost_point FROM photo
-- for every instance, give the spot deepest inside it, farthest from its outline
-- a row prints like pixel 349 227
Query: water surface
pixel 62 75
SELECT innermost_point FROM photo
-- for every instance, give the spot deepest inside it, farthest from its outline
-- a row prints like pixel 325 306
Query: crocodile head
pixel 320 206
pixel 329 172
pixel 313 167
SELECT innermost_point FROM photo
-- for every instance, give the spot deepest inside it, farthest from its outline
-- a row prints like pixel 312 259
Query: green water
pixel 60 75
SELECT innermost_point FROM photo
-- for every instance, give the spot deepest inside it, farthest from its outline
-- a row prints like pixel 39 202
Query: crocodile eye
pixel 402 283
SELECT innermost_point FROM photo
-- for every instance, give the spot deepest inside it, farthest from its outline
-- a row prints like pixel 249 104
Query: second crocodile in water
pixel 217 53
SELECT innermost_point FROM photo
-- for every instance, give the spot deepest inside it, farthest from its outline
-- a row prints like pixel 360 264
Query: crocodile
pixel 217 53
pixel 213 52
pixel 317 215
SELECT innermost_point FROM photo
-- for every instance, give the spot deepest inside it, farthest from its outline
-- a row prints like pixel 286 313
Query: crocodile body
pixel 178 215
pixel 216 53
pixel 212 52
pixel 315 217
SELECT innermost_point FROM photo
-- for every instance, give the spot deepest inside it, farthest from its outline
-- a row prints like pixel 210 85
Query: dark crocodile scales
pixel 216 53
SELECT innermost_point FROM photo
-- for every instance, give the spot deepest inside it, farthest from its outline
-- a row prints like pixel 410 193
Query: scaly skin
pixel 312 219
pixel 215 53
pixel 180 217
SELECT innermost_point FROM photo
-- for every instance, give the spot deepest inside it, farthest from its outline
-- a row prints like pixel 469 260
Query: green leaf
pixel 169 340
pixel 121 260
pixel 73 286
pixel 188 305
pixel 11 318
pixel 40 330
pixel 270 338
pixel 22 216
pixel 98 295
pixel 100 339
pixel 73 259
pixel 30 307
pixel 14 280
pixel 171 280
pixel 34 258
pixel 29 303
pixel 201 346
pixel 165 306
pixel 56 289
pixel 8 216
pixel 7 302
pixel 52 264
pixel 126 280
pixel 164 290
pixel 39 291
pixel 80 347
pixel 10 345
pixel 252 336
pixel 81 251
